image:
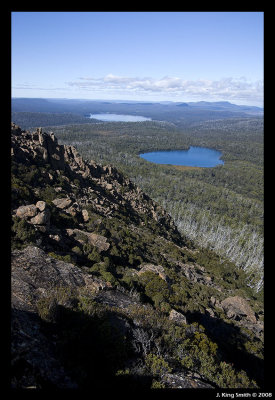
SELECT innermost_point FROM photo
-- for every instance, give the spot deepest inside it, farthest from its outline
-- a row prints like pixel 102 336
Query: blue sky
pixel 155 56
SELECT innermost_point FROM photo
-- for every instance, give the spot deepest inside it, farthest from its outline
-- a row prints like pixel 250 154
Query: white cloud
pixel 227 88
pixel 238 91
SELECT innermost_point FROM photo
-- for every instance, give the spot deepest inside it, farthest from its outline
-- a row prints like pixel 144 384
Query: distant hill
pixel 182 105
pixel 226 106
pixel 167 111
pixel 40 119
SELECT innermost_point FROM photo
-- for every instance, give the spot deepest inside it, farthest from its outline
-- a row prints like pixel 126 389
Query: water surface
pixel 193 157
pixel 119 117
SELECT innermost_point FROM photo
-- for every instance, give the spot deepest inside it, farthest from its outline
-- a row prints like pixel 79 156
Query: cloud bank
pixel 238 91
pixel 227 88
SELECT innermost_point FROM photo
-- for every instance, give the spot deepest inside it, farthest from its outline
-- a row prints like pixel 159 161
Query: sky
pixel 143 56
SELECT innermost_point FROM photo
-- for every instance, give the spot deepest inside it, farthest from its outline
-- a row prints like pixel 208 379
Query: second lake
pixel 119 117
pixel 193 157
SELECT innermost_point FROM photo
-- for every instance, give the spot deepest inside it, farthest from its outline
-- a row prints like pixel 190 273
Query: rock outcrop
pixel 177 317
pixel 35 214
pixel 237 307
pixel 101 187
pixel 157 269
pixel 99 241
pixel 34 274
pixel 183 381
pixel 33 359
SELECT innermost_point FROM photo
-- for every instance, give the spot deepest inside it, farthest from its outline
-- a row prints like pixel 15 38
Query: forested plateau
pixel 218 208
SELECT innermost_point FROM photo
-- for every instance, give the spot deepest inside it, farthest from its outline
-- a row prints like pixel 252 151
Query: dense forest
pixel 218 208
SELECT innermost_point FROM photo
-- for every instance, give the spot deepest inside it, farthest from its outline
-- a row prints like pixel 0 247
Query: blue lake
pixel 193 157
pixel 119 117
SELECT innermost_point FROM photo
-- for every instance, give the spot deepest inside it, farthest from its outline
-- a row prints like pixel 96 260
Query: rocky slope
pixel 103 188
pixel 105 290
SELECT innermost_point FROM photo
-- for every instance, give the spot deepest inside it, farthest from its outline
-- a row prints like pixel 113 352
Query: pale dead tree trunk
pixel 143 340
pixel 241 245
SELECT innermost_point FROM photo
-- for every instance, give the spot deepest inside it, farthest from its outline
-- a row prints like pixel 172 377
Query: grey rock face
pixel 34 273
pixel 238 307
pixel 177 317
pixel 43 218
pixel 182 381
pixel 26 211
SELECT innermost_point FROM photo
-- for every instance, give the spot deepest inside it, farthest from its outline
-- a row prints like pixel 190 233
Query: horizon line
pixel 138 101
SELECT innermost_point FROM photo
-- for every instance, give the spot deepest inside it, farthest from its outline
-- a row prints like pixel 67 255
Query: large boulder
pixel 62 203
pixel 42 218
pixel 27 211
pixel 37 214
pixel 41 205
pixel 157 269
pixel 238 308
pixel 177 317
pixel 85 215
pixel 34 275
pixel 185 381
pixel 99 241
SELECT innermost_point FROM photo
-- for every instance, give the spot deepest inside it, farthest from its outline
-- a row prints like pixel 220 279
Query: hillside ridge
pixel 105 289
pixel 106 183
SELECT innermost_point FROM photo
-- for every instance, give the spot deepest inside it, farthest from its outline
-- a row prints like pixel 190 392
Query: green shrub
pixel 108 277
pixel 77 251
pixel 157 365
pixel 87 305
pixel 165 307
pixel 65 258
pixel 48 194
pixel 157 385
pixel 155 287
pixel 22 232
pixel 95 269
pixel 47 309
pixel 199 352
pixel 227 377
pixel 94 256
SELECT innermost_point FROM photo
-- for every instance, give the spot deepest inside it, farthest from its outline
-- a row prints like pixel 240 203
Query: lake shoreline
pixel 109 117
pixel 193 157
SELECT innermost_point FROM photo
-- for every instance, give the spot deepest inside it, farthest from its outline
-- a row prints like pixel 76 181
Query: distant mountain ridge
pixel 85 106
pixel 226 105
